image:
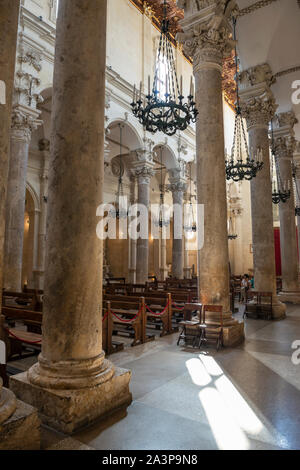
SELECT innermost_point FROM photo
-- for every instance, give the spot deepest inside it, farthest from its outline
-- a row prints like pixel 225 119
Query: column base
pixel 292 297
pixel 70 410
pixel 21 431
pixel 233 335
pixel 278 310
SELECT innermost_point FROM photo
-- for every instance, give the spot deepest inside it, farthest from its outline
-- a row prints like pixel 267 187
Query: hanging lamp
pixel 191 227
pixel 238 168
pixel 120 210
pixel 164 108
pixel 280 192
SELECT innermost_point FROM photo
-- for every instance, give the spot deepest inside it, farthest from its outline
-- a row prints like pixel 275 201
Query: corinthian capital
pixel 285 143
pixel 257 101
pixel 23 123
pixel 259 110
pixel 284 146
pixel 144 174
pixel 207 33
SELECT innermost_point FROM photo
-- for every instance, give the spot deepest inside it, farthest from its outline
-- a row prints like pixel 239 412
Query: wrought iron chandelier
pixel 280 192
pixel 296 192
pixel 231 234
pixel 162 221
pixel 164 108
pixel 120 210
pixel 238 168
pixel 191 227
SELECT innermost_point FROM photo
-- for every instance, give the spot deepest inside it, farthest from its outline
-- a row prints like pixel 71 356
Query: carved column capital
pixel 23 124
pixel 284 140
pixel 257 101
pixel 207 32
pixel 144 174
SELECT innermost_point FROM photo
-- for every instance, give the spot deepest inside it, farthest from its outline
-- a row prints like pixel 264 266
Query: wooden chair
pixel 252 303
pixel 211 330
pixel 189 327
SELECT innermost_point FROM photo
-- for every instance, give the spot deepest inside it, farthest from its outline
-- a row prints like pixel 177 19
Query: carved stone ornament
pixel 23 124
pixel 287 119
pixel 44 145
pixel 31 58
pixel 144 174
pixel 209 39
pixel 284 146
pixel 259 110
pixel 256 75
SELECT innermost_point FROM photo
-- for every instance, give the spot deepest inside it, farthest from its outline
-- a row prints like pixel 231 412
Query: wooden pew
pixel 16 338
pixel 22 300
pixel 158 309
pixel 109 346
pixel 130 316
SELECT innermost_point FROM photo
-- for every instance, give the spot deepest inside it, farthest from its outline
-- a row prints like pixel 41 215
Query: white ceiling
pixel 271 35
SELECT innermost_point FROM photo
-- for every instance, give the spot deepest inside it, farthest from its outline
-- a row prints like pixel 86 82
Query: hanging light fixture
pixel 296 192
pixel 231 234
pixel 120 210
pixel 280 192
pixel 164 108
pixel 238 168
pixel 161 221
pixel 192 226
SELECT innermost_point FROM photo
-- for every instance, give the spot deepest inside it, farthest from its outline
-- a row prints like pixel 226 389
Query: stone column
pixel 9 14
pixel 297 193
pixel 178 189
pixel 258 107
pixel 163 270
pixel 284 149
pixel 44 146
pixel 18 429
pixel 144 175
pixel 207 39
pixel 24 121
pixel 132 242
pixel 73 384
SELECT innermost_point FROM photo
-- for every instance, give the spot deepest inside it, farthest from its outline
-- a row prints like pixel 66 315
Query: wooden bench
pixel 30 301
pixel 17 338
pixel 130 318
pixel 157 310
pixel 109 346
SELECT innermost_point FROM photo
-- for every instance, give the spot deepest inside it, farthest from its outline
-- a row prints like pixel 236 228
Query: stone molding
pixel 177 187
pixel 207 33
pixel 259 111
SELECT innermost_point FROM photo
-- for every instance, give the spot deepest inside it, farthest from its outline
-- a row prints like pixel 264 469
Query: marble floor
pixel 186 399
